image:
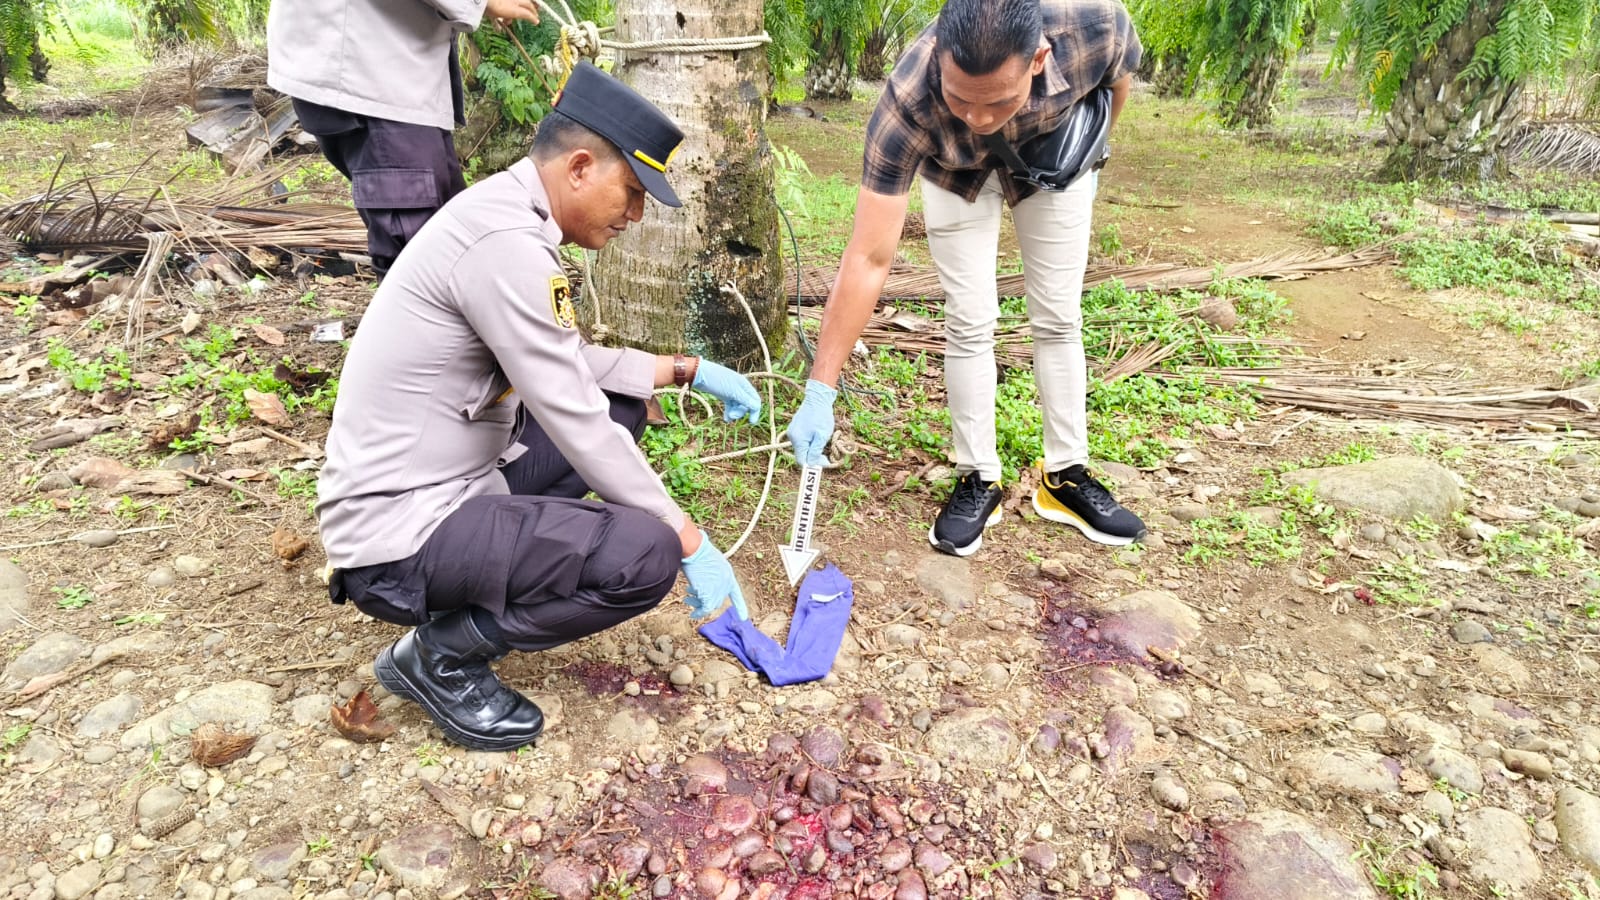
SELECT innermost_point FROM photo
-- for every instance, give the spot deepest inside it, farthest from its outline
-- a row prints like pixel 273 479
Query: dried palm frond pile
pixel 113 213
pixel 908 282
pixel 1571 147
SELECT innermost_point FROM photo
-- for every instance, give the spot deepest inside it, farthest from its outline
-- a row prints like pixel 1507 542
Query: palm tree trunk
pixel 1442 123
pixel 1254 107
pixel 829 76
pixel 659 284
pixel 1172 75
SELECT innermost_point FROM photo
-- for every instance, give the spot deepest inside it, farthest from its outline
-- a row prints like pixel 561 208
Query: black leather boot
pixel 444 666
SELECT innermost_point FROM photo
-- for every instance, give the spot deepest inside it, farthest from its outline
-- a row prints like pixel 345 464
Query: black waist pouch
pixel 1055 160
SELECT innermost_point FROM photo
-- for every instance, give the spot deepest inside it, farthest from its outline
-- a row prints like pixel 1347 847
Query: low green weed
pixel 73 597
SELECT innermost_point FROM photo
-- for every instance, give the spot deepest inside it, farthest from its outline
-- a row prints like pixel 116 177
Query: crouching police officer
pixel 472 417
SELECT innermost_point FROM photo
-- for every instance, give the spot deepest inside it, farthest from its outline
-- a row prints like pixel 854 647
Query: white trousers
pixel 1053 234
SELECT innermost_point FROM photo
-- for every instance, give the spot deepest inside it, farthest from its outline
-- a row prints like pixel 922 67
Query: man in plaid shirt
pixel 1013 68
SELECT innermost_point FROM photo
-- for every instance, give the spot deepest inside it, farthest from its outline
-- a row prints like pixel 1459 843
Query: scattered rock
pixel 1398 488
pixel 1276 855
pixel 13 595
pixel 1578 824
pixel 1501 848
pixel 1469 631
pixel 948 578
pixel 977 737
pixel 247 704
pixel 1137 621
pixel 1458 769
pixel 50 654
pixel 1348 770
pixel 1523 762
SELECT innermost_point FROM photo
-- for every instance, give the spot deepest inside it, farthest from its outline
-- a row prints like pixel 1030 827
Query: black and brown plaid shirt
pixel 1092 44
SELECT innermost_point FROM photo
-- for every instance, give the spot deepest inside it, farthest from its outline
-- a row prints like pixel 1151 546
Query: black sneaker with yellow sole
pixel 974 505
pixel 1073 497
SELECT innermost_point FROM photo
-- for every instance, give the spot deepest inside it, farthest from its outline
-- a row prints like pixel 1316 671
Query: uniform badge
pixel 561 302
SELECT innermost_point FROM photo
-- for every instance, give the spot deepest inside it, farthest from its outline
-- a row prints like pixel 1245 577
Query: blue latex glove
pixel 738 395
pixel 812 424
pixel 711 581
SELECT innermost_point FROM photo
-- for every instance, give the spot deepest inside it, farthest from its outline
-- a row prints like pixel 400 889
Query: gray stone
pixel 50 654
pixel 99 754
pixel 159 802
pixel 54 481
pixel 1370 723
pixel 140 643
pixel 312 709
pixel 1456 768
pixel 1130 739
pixel 976 737
pixel 718 675
pixel 243 704
pixel 632 727
pixel 1117 687
pixel 192 566
pixel 430 859
pixel 161 577
pixel 265 892
pixel 78 881
pixel 39 752
pixel 1167 706
pixel 1348 770
pixel 274 863
pixel 1423 729
pixel 1190 512
pixel 1578 824
pixel 1524 762
pixel 1137 621
pixel 1276 855
pixel 13 595
pixel 900 634
pixel 98 537
pixel 947 577
pixel 1262 684
pixel 1500 850
pixel 570 879
pixel 1398 488
pixel 1468 631
pixel 1497 662
pixel 109 715
pixel 1170 793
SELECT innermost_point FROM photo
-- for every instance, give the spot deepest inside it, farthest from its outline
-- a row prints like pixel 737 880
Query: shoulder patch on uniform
pixel 561 302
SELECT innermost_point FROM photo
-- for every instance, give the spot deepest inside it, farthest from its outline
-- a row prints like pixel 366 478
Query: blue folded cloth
pixel 820 616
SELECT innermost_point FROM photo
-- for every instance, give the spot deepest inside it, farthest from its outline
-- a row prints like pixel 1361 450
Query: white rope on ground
pixel 772 422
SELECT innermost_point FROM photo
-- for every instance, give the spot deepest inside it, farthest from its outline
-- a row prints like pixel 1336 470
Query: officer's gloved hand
pixel 711 581
pixel 812 424
pixel 738 395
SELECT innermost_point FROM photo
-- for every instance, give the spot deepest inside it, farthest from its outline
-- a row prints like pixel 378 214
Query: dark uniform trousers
pixel 551 568
pixel 400 174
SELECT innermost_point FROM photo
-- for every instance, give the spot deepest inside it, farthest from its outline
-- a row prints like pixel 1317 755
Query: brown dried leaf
pixel 244 475
pixel 287 545
pixel 154 481
pixel 268 335
pixel 179 429
pixel 266 407
pixel 100 472
pixel 358 720
pixel 210 745
pixel 302 380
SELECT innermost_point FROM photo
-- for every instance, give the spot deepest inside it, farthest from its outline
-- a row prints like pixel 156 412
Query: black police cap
pixel 611 109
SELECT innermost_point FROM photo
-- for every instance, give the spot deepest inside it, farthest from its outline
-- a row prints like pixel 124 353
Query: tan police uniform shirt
pixel 474 317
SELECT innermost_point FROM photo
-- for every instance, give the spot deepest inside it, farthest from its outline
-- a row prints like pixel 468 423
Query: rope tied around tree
pixel 580 38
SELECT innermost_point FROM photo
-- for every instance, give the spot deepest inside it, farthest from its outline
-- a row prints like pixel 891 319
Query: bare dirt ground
pixel 1397 706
